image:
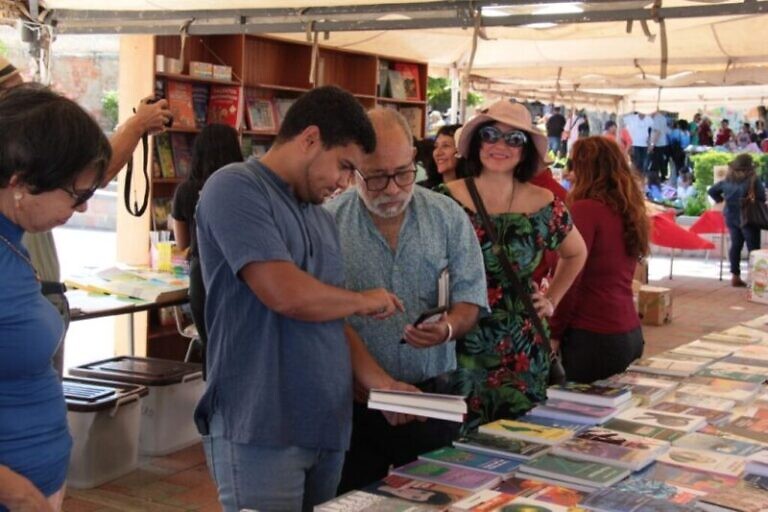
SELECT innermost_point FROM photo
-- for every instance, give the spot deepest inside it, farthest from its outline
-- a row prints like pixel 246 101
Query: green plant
pixel 439 94
pixel 703 168
pixel 109 105
pixel 3 49
pixel 696 205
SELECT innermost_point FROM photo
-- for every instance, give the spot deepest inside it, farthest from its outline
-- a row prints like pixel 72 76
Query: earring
pixel 17 196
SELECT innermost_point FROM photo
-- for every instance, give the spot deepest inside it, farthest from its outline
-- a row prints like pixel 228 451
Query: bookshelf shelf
pixel 195 79
pixel 274 87
pixel 382 99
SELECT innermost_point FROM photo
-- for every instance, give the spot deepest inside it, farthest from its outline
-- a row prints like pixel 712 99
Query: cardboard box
pixel 201 69
pixel 758 276
pixel 641 272
pixel 222 72
pixel 655 305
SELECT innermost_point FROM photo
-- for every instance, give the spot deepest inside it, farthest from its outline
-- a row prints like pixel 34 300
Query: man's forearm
pixel 123 142
pixel 462 316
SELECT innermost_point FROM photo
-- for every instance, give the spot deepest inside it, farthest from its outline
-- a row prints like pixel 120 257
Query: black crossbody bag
pixel 556 370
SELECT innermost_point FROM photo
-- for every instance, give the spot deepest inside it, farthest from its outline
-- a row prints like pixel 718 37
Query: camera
pixel 155 99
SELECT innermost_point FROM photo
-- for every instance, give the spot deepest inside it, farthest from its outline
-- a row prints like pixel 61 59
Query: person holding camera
pixel 403 237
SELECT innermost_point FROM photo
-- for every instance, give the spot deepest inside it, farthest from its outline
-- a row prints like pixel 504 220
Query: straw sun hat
pixel 510 113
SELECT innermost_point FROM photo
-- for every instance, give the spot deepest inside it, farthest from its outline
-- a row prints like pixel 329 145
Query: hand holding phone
pixel 430 316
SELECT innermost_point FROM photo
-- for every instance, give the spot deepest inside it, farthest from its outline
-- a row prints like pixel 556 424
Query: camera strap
pixel 137 211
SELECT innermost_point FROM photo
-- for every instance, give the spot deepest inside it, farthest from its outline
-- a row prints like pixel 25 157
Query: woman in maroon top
pixel 596 325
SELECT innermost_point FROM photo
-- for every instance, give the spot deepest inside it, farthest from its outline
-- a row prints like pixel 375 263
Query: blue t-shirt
pixel 276 381
pixel 34 440
pixel 436 234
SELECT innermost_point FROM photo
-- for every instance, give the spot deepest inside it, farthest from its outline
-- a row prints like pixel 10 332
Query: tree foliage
pixel 439 95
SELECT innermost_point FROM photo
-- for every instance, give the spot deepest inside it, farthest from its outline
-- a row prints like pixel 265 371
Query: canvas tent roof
pixel 710 43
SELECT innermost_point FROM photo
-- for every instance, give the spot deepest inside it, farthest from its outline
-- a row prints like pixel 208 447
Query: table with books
pixel 686 429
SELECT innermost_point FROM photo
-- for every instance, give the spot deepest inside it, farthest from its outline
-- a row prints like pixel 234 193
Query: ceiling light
pixel 560 8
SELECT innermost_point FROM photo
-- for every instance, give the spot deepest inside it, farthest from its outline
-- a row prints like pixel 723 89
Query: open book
pixel 430 405
pixel 135 282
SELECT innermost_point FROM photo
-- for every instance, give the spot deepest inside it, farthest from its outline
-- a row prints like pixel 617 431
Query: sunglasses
pixel 513 139
pixel 80 196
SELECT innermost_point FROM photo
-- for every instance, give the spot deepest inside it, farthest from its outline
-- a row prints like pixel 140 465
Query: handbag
pixel 754 213
pixel 556 369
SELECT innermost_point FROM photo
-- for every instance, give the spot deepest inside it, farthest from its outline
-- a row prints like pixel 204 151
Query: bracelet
pixel 450 332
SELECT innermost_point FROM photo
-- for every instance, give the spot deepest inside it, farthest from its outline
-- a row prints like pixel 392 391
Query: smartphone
pixel 430 316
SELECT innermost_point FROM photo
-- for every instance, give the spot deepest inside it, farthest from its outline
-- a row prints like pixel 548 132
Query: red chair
pixel 712 222
pixel 665 232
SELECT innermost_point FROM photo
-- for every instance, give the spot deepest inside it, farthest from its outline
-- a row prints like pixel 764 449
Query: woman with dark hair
pixel 595 325
pixel 215 146
pixel 502 369
pixel 53 157
pixel 732 190
pixel 445 164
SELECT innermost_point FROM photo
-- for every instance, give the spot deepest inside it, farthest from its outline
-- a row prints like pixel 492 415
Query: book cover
pixel 415 118
pixel 674 421
pixel 590 394
pixel 462 478
pixel 719 444
pixel 612 500
pixel 605 435
pixel 605 453
pixel 500 446
pixel 161 210
pixel 465 459
pixel 182 154
pixel 699 460
pixel 164 152
pixel 639 429
pixel 261 113
pixel 749 427
pixel 486 500
pixel 705 402
pixel 417 491
pixel 747 333
pixel 697 482
pixel 659 490
pixel 200 96
pixel 225 105
pixel 704 349
pixel 757 463
pixel 643 380
pixel 666 367
pixel 573 411
pixel 541 491
pixel 396 85
pixel 591 474
pixel 282 105
pixel 521 504
pixel 526 431
pixel 383 85
pixel 738 500
pixel 553 423
pixel 179 96
pixel 712 416
pixel 437 401
pixel 746 361
pixel 756 481
pixel 674 356
pixel 753 352
pixel 361 501
pixel 410 74
pixel 735 372
pixel 738 391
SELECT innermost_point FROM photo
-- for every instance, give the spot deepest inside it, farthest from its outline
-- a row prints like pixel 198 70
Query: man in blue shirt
pixel 401 237
pixel 276 413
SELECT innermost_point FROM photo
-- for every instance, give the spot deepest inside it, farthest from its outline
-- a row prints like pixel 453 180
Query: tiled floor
pixel 701 304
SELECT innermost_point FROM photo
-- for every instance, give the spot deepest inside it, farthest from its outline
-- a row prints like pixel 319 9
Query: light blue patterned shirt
pixel 435 234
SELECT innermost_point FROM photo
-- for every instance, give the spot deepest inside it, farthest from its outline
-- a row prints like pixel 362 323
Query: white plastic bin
pixel 104 419
pixel 175 388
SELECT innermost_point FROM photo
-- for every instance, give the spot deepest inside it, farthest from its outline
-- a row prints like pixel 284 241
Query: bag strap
pixel 752 192
pixel 137 210
pixel 498 250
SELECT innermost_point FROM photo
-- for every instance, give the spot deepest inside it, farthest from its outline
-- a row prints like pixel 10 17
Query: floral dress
pixel 502 369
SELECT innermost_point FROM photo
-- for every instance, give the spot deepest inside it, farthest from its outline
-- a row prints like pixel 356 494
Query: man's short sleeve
pixel 236 215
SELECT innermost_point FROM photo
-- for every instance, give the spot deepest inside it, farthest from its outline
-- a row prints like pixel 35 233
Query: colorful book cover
pixel 643 380
pixel 725 384
pixel 735 372
pixel 639 429
pixel 666 367
pixel 200 96
pixel 712 416
pixel 606 453
pixel 747 426
pixel 462 478
pixel 164 152
pixel 737 395
pixel 225 105
pixel 261 113
pixel 282 106
pixel 699 460
pixel 522 504
pixel 738 500
pixel 182 154
pixel 712 443
pixel 410 75
pixel 705 402
pixel 590 394
pixel 541 491
pixel 526 431
pixel 612 500
pixel 553 423
pixel 659 490
pixel 566 469
pixel 179 96
pixel 361 501
pixel 704 349
pixel 483 501
pixel 500 446
pixel 605 435
pixel 746 361
pixel 747 333
pixel 674 421
pixel 577 409
pixel 465 459
pixel 417 491
pixel 698 482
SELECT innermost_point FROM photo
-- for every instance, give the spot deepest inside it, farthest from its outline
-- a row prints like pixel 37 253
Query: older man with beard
pixel 404 238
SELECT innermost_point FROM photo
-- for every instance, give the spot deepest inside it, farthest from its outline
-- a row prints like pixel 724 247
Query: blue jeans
pixel 554 144
pixel 739 235
pixel 270 479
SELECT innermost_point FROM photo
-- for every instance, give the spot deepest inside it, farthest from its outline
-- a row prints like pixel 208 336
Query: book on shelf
pixel 734 500
pixel 138 283
pixel 396 85
pixel 200 96
pixel 573 411
pixel 383 83
pixel 434 472
pixel 182 154
pixel 565 469
pixel 415 118
pixel 542 491
pixel 719 444
pixel 639 429
pixel 707 461
pixel 606 453
pixel 590 394
pixel 500 446
pixel 225 105
pixel 164 152
pixel 261 113
pixel 282 106
pixel 432 405
pixel 613 500
pixel 671 420
pixel 757 463
pixel 655 365
pixel 526 431
pixel 712 416
pixel 161 210
pixel 361 501
pixel 179 96
pixel 456 457
pixel 409 73
pixel 417 492
pixel 732 371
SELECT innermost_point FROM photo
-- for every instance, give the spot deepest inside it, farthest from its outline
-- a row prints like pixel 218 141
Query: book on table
pixel 361 501
pixel 719 444
pixel 760 323
pixel 417 492
pixel 526 431
pixel 748 427
pixel 639 429
pixel 590 394
pixel 456 457
pixel 565 469
pixel 753 352
pixel 654 418
pixel 500 446
pixel 704 349
pixel 731 338
pixel 658 366
pixel 757 463
pixel 542 491
pixel 732 371
pixel 708 461
pixel 552 423
pixel 742 359
pixel 756 481
pixel 611 447
pixel 660 490
pixel 434 472
pixel 432 405
pixel 138 283
pixel 738 391
pixel 573 411
pixel 613 500
pixel 712 416
pixel 735 500
pixel 697 482
pixel 705 402
pixel 747 333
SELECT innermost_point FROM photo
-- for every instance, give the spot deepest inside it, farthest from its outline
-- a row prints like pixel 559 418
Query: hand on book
pixel 396 418
pixel 427 334
pixel 379 304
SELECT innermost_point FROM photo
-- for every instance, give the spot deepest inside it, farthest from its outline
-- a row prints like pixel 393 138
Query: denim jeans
pixel 270 479
pixel 740 235
pixel 554 144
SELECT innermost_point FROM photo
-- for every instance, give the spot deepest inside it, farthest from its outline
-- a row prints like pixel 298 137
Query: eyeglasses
pixel 378 183
pixel 513 139
pixel 81 196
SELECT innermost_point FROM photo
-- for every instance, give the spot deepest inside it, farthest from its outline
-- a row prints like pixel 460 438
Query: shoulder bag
pixel 556 370
pixel 754 213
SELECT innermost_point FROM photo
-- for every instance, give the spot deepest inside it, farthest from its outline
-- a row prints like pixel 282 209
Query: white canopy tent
pixel 598 52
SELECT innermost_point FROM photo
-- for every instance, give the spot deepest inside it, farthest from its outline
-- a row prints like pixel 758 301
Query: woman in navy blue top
pixel 52 158
pixel 732 190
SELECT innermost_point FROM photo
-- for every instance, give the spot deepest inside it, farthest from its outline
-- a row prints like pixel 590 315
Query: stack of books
pixel 670 420
pixel 524 431
pixel 613 448
pixel 428 405
pixel 677 365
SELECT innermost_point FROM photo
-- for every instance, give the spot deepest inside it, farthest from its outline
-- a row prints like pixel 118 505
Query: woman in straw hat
pixel 732 190
pixel 503 369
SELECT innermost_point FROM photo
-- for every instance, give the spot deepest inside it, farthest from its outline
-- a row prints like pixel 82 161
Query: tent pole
pixel 453 75
pixel 671 262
